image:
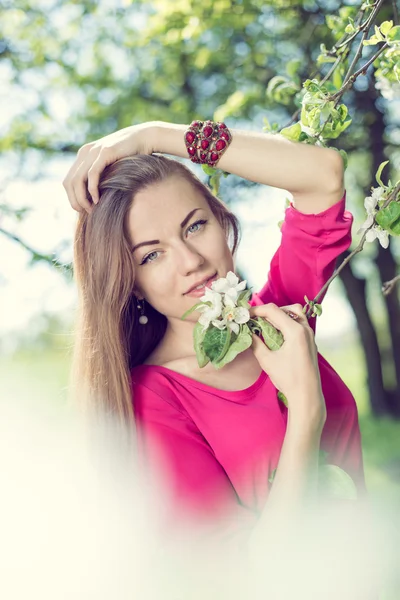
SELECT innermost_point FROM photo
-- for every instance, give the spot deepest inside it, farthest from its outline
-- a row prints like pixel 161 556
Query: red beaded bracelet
pixel 206 141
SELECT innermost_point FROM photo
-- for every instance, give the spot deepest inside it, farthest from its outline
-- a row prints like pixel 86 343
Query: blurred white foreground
pixel 75 524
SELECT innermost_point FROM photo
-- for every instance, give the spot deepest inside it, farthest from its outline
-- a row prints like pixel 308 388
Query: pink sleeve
pixel 307 254
pixel 174 452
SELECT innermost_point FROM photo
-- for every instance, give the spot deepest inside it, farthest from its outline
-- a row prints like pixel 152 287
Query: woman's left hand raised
pixel 94 157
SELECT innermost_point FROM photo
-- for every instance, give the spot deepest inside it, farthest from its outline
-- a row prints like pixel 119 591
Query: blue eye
pixel 145 260
pixel 199 222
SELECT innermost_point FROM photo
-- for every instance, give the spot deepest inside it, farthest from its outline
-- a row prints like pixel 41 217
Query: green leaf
pixel 389 218
pixel 267 124
pixel 322 59
pixel 293 66
pixel 273 338
pixel 394 34
pixel 317 311
pixel 282 398
pixel 333 130
pixel 378 34
pixel 216 342
pixel 335 482
pixel 272 476
pixel 195 307
pixel 373 40
pixel 386 26
pixel 243 298
pixel 304 117
pixel 198 336
pixel 292 132
pixel 241 343
pixel 208 170
pixel 304 137
pixel 379 172
pixel 343 112
pixel 274 82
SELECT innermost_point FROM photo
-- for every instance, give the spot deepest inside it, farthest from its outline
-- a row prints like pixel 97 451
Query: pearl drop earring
pixel 142 319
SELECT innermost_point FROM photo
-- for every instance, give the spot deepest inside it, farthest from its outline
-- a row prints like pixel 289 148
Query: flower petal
pixel 366 225
pixel 242 315
pixel 377 193
pixel 371 235
pixel 383 237
pixel 229 301
pixel 232 279
pixel 369 205
pixel 234 326
pixel 204 320
pixel 220 285
pixel 242 285
pixel 220 324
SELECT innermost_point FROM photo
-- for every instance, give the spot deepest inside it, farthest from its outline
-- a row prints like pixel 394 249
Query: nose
pixel 189 259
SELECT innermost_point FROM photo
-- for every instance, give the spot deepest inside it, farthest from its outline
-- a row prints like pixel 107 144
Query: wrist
pixel 168 138
pixel 308 425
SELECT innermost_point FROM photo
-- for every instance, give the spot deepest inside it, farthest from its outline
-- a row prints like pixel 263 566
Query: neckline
pixel 209 388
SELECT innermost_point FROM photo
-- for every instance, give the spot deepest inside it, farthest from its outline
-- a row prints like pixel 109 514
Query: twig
pixel 358 249
pixel 364 27
pixel 388 286
pixel 35 255
pixel 353 77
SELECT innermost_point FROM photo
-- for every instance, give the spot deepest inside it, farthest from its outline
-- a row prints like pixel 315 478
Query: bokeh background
pixel 71 72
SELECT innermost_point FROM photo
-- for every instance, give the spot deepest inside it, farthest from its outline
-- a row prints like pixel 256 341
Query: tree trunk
pixel 385 261
pixel 355 292
pixel 387 270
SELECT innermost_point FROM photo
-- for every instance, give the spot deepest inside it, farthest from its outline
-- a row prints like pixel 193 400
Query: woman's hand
pixel 293 369
pixel 94 157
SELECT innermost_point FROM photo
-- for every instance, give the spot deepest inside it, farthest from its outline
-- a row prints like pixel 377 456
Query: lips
pixel 203 281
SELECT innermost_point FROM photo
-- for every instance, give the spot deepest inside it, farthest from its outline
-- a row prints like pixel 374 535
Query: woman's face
pixel 178 256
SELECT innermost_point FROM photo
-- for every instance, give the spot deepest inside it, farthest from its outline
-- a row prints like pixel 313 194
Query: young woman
pixel 148 233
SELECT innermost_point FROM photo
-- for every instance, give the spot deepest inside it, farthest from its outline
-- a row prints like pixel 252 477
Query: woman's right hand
pixel 94 157
pixel 293 369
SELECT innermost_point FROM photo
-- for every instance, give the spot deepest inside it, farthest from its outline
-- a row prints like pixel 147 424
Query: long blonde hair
pixel 109 341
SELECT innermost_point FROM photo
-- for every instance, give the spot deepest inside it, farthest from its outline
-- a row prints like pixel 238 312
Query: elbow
pixel 336 179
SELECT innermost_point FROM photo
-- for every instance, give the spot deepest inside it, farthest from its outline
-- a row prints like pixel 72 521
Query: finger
pixel 79 186
pixel 71 195
pixel 295 312
pixel 104 158
pixel 258 345
pixel 94 177
pixel 275 315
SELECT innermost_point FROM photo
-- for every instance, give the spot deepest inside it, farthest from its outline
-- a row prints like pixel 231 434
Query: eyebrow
pixel 151 242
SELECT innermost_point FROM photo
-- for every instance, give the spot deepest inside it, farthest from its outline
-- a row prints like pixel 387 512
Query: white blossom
pixel 209 313
pixel 223 311
pixel 232 317
pixel 230 287
pixel 381 234
pixel 376 231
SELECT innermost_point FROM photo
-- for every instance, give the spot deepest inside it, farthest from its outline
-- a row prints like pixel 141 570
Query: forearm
pixel 293 493
pixel 264 158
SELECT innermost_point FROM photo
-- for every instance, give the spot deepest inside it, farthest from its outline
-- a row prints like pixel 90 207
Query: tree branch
pixel 36 256
pixel 358 249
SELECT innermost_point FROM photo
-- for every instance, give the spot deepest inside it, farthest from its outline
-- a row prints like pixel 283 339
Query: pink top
pixel 218 448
